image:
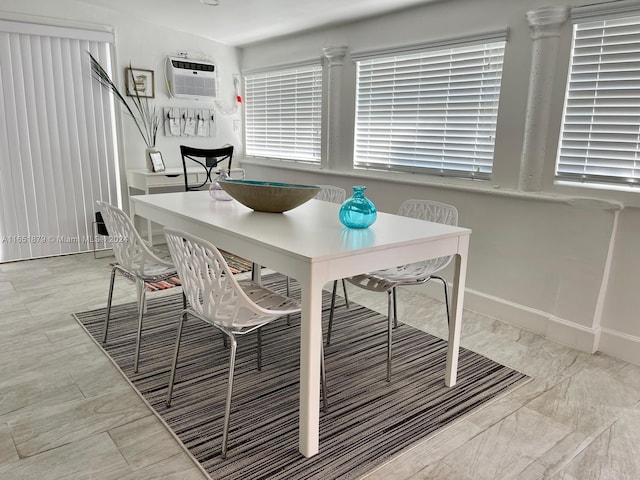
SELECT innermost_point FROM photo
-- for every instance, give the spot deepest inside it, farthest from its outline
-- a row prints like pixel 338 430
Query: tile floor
pixel 66 412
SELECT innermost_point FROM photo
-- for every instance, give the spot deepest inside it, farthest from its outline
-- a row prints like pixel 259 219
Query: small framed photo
pixel 140 81
pixel 156 161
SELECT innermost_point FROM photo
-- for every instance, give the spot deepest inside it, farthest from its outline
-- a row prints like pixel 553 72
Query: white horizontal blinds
pixel 432 112
pixel 283 113
pixel 57 143
pixel 600 137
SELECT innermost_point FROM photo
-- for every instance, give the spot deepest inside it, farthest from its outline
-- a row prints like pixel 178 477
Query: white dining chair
pixel 234 307
pixel 135 260
pixel 412 274
pixel 331 193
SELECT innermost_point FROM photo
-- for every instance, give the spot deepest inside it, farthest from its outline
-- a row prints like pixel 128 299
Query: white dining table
pixel 310 245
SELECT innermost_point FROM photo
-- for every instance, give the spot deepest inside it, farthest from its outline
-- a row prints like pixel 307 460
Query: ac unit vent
pixel 191 79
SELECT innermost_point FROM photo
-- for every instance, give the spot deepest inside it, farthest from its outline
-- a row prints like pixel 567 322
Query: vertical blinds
pixel 432 112
pixel 283 113
pixel 57 141
pixel 600 136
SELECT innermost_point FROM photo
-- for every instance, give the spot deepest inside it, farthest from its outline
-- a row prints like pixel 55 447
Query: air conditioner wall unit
pixel 193 79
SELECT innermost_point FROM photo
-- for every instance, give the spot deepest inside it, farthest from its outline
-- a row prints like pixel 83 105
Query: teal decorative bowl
pixel 271 197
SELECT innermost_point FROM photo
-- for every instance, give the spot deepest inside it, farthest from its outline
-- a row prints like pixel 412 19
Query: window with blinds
pixel 432 112
pixel 600 135
pixel 283 113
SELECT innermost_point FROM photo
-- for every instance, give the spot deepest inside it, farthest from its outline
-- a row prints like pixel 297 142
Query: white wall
pixel 144 45
pixel 539 260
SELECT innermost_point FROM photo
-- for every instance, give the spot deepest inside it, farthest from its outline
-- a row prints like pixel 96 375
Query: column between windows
pixel 335 61
pixel 545 24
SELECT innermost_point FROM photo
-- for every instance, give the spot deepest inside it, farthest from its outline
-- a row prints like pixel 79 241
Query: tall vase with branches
pixel 144 116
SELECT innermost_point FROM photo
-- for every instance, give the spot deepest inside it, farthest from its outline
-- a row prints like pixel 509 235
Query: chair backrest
pixel 331 193
pixel 431 211
pixel 128 247
pixel 207 159
pixel 209 285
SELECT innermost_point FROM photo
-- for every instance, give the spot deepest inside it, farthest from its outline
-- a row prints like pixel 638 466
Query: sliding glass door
pixel 57 139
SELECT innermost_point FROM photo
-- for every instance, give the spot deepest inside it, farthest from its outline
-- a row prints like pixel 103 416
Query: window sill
pixel 463 185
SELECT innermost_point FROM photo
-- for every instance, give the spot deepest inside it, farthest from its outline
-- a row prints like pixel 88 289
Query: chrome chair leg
pixel 288 295
pixel 109 299
pixel 174 365
pixel 391 307
pixel 259 349
pixel 333 307
pixel 446 296
pixel 395 309
pixel 346 297
pixel 227 412
pixel 323 381
pixel 142 300
pixel 141 303
pixel 256 272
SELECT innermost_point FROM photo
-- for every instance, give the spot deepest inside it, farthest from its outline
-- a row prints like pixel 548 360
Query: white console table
pixel 142 180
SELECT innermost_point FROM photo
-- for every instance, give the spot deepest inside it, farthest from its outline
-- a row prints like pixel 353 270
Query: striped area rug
pixel 369 420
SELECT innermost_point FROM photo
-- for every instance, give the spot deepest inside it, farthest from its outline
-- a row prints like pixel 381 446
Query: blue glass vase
pixel 358 211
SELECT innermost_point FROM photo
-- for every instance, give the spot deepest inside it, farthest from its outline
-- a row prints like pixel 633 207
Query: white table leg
pixel 457 302
pixel 132 214
pixel 310 340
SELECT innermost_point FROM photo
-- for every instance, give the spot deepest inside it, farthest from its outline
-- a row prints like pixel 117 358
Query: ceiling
pixel 240 22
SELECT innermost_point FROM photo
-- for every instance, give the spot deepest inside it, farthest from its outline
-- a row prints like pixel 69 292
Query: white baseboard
pixel 611 342
pixel 555 329
pixel 620 345
pixel 572 334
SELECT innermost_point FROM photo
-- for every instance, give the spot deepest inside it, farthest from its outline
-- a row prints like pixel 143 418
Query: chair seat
pixel 372 282
pixel 384 280
pixel 279 305
pixel 149 270
pixel 152 272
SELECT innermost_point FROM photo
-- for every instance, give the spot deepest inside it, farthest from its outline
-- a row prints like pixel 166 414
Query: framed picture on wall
pixel 140 81
pixel 157 162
